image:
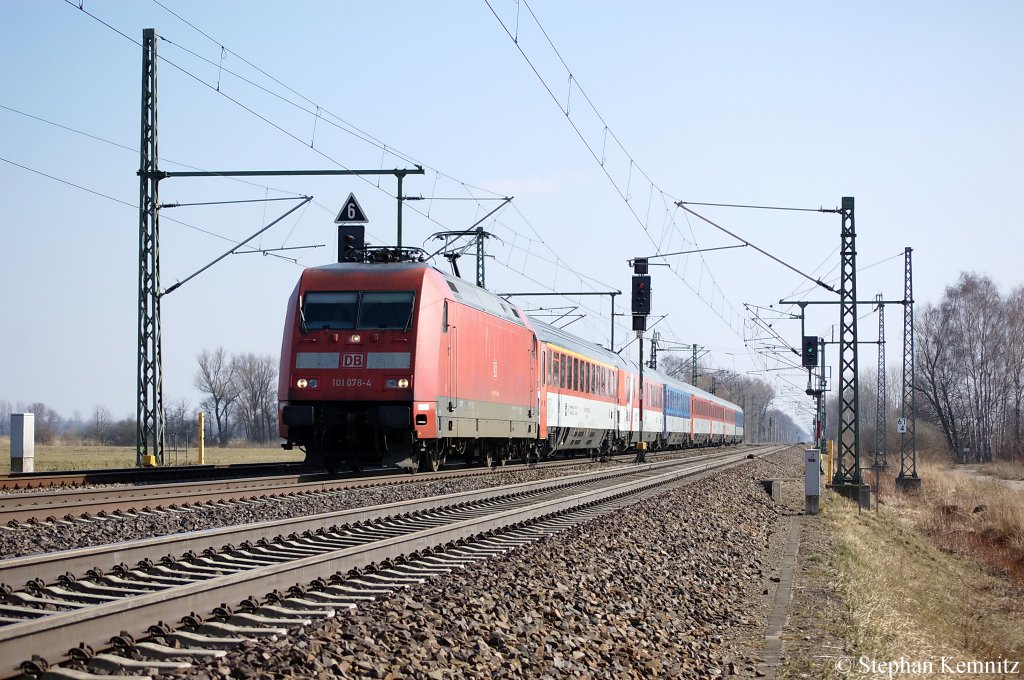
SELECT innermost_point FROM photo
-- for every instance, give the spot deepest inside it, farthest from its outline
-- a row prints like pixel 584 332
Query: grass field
pixel 49 458
pixel 939 573
pixel 1013 471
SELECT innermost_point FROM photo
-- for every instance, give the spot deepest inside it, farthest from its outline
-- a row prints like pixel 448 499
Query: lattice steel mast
pixel 848 468
pixel 149 432
pixel 908 479
pixel 881 429
pixel 822 384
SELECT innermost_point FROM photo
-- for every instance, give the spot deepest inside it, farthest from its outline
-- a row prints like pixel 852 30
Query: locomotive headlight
pixel 355 337
pixel 403 383
pixel 301 383
pixel 391 383
pixel 312 383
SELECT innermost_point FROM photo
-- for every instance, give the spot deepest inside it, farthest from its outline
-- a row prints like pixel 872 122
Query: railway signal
pixel 351 242
pixel 810 351
pixel 642 295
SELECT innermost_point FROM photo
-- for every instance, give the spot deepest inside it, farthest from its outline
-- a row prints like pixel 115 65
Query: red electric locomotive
pixel 398 364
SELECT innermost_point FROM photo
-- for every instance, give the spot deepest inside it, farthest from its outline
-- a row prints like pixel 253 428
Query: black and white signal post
pixel 641 299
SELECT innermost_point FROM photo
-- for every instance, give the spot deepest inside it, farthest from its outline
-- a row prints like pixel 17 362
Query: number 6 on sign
pixel 901 425
pixel 351 212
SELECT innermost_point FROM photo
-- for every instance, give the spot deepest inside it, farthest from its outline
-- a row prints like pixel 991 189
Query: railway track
pixel 18 481
pixel 311 566
pixel 100 501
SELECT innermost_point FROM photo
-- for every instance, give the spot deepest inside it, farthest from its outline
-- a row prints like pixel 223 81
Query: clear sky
pixel 913 108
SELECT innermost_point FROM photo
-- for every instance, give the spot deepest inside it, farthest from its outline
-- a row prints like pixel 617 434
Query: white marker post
pixel 812 481
pixel 23 442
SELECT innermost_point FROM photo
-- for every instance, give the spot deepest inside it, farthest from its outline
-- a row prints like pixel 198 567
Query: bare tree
pixel 970 367
pixel 975 323
pixel 100 425
pixel 47 422
pixel 180 417
pixel 256 412
pixel 216 377
pixel 122 432
pixel 5 417
pixel 1015 366
pixel 936 376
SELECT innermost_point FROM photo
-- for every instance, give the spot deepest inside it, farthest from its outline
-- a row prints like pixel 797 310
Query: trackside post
pixel 23 442
pixel 202 438
pixel 812 481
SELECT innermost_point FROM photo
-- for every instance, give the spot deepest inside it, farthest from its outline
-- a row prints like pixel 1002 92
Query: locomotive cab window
pixel 336 310
pixel 385 310
pixel 322 310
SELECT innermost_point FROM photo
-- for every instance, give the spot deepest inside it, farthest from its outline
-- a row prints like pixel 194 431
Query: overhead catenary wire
pixel 320 110
pixel 717 302
pixel 135 150
pixel 129 204
pixel 247 200
pixel 644 223
pixel 601 161
pixel 760 250
pixel 761 207
pixel 362 135
pixel 558 259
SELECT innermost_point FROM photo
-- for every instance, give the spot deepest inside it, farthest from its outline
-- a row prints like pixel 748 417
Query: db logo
pixel 352 360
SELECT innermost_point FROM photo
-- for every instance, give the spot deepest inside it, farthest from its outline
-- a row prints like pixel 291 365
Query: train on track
pixel 396 363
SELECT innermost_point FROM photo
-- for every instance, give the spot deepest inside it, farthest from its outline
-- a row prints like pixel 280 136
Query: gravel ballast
pixel 678 585
pixel 45 537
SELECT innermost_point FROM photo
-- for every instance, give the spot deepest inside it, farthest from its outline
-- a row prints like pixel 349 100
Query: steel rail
pixel 14 572
pixel 51 637
pixel 134 475
pixel 25 507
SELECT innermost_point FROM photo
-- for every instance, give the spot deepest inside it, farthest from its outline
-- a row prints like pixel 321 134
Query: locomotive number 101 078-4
pixel 351 382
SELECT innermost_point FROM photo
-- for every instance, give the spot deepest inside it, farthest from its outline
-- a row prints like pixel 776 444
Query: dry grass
pixel 1007 470
pixel 48 458
pixel 970 514
pixel 904 596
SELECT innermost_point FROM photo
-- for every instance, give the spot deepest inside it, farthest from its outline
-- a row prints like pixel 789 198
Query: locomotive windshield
pixel 383 310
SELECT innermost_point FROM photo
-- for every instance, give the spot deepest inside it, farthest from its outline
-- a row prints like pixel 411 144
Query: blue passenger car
pixel 678 431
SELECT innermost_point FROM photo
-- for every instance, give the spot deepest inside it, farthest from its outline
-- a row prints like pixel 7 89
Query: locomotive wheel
pixel 431 461
pixel 493 458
